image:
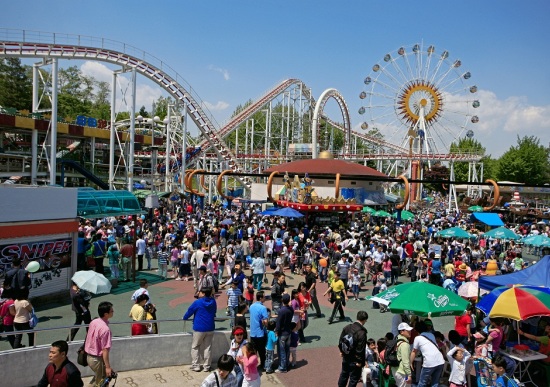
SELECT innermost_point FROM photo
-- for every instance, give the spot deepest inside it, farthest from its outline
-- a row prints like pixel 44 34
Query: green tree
pixel 15 84
pixel 75 93
pixel 527 162
pixel 469 146
pixel 101 107
pixel 144 113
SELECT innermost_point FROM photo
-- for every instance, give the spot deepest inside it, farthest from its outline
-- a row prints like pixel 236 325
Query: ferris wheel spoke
pixel 399 71
pixel 412 75
pixel 452 82
pixel 436 69
pixel 388 114
pixel 385 96
pixel 386 86
pixel 390 76
pixel 442 78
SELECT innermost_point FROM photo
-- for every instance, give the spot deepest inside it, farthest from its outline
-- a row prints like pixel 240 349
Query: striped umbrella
pixel 517 302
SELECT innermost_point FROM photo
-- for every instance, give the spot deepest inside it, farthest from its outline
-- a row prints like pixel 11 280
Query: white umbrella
pixel 470 290
pixel 92 282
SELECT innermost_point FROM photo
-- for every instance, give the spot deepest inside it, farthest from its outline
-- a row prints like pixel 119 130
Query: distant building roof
pixel 325 167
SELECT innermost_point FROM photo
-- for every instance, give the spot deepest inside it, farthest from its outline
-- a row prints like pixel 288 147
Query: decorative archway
pixel 318 112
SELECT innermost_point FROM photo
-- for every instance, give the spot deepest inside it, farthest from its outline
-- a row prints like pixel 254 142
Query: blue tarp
pixel 489 218
pixel 535 275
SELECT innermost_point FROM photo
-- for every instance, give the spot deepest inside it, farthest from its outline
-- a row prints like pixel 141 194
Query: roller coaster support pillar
pixel 53 123
pixel 184 148
pixel 168 169
pixel 113 134
pixel 34 139
pixel 132 133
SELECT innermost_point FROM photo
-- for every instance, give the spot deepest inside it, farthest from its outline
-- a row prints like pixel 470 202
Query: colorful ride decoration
pixel 300 194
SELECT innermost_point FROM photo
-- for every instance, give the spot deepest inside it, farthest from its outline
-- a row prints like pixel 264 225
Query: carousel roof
pixel 325 167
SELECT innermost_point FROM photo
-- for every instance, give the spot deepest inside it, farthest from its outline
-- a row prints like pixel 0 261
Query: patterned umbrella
pixel 405 215
pixel 454 232
pixel 368 210
pixel 382 213
pixel 475 209
pixel 502 233
pixel 422 299
pixel 517 302
pixel 537 240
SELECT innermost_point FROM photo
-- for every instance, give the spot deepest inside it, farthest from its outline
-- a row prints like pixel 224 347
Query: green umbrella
pixel 537 240
pixel 502 233
pixel 382 213
pixel 405 215
pixel 368 210
pixel 475 209
pixel 453 232
pixel 422 299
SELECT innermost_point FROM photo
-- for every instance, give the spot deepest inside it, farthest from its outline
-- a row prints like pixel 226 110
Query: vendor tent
pixel 535 275
pixel 489 218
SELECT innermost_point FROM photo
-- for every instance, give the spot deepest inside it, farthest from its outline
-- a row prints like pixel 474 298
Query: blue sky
pixel 231 51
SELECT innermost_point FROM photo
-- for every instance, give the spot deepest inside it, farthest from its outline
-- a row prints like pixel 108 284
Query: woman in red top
pixel 7 318
pixel 304 298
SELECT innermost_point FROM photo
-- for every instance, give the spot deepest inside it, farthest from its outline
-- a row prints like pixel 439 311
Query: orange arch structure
pixel 407 193
pixel 269 184
pixel 496 195
pixel 190 181
pixel 186 180
pixel 337 187
pixel 219 185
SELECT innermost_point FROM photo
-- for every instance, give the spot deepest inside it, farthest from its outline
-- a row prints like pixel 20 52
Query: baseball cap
pixel 286 298
pixel 404 327
pixel 437 256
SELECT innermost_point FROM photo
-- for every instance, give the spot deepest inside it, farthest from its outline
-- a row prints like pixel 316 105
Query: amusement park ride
pixel 417 98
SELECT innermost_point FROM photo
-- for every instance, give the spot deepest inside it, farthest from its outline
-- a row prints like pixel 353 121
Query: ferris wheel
pixel 419 98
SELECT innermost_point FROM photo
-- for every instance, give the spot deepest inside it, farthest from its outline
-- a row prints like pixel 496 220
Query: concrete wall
pixel 27 365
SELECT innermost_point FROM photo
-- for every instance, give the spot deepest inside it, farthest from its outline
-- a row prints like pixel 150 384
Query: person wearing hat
pixel 338 295
pixel 402 373
pixel 203 311
pixel 434 268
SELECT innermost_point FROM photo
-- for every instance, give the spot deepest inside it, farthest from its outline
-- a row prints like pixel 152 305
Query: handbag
pixel 33 320
pixel 82 356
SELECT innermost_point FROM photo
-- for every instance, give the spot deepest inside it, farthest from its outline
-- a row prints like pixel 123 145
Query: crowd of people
pixel 215 247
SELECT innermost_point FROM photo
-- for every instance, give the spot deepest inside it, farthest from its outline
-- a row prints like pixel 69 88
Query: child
pixel 481 346
pixel 163 263
pixel 249 361
pixel 235 350
pixel 270 346
pixel 458 357
pixel 503 380
pixel 370 371
pixel 249 291
pixel 233 296
pixel 294 342
pixel 355 282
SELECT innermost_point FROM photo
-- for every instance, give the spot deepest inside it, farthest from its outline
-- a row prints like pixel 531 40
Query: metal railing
pixel 116 329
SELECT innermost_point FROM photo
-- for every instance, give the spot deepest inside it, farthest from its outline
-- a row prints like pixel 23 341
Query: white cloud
pixel 146 94
pixel 220 105
pixel 223 72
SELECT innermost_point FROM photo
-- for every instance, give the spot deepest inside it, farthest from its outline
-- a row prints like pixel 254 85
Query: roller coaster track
pixel 33 44
pixel 257 105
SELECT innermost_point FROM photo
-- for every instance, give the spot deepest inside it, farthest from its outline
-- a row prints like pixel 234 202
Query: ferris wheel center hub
pixel 419 94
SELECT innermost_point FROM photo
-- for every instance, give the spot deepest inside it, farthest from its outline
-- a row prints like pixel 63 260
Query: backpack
pixel 391 352
pixel 347 342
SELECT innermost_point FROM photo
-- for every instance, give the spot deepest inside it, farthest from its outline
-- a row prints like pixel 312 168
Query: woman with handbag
pixel 22 310
pixel 138 313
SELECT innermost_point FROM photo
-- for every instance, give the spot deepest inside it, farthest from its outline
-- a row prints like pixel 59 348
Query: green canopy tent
pixel 368 210
pixel 405 215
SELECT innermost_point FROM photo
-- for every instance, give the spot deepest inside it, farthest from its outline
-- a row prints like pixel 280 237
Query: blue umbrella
pixel 287 212
pixel 227 222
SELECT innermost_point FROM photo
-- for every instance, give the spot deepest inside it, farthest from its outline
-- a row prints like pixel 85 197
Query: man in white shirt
pixel 378 256
pixel 140 251
pixel 433 361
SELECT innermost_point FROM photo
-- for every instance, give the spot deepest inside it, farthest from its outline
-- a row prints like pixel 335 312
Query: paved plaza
pixel 318 359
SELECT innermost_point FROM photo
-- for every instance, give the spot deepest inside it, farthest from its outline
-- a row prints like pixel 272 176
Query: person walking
pixel 402 372
pixel 283 328
pixel 60 371
pixel 203 311
pixel 98 344
pixel 80 300
pixel 258 271
pixel 311 285
pixel 338 296
pixel 352 345
pixel 258 323
pixel 21 322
